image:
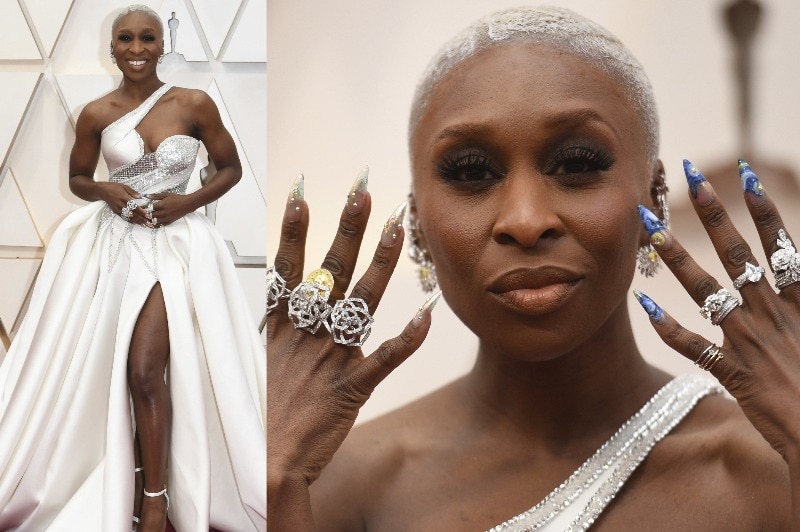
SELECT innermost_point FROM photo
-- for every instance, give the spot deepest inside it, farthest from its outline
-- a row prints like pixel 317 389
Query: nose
pixel 527 212
pixel 136 46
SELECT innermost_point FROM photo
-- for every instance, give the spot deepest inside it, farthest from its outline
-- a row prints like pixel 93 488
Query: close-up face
pixel 528 165
pixel 137 42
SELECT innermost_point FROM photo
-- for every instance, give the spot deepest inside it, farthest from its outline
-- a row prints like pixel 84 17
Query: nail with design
pixel 750 182
pixel 426 308
pixel 698 185
pixel 296 196
pixel 660 237
pixel 653 310
pixel 392 226
pixel 358 192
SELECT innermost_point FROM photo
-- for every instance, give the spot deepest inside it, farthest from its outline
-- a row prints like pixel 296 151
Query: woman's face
pixel 137 43
pixel 528 165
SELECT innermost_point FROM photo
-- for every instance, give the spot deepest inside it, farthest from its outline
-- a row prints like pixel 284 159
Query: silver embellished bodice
pixel 165 170
pixel 579 500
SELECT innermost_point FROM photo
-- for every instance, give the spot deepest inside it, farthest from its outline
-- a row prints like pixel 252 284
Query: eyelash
pixel 126 38
pixel 468 166
pixel 592 160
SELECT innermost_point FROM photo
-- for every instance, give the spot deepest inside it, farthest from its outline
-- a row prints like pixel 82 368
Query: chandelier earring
pixel 647 258
pixel 111 53
pixel 160 59
pixel 425 268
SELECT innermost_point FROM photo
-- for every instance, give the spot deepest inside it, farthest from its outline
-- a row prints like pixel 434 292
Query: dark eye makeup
pixel 468 165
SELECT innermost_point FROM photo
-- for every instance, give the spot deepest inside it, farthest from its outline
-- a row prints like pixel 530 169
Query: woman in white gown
pixel 132 283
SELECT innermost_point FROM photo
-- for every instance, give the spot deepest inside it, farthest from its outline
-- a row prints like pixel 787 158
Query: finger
pixel 133 194
pixel 732 250
pixel 156 196
pixel 372 285
pixel 724 366
pixel 291 248
pixel 394 352
pixel 343 253
pixel 768 223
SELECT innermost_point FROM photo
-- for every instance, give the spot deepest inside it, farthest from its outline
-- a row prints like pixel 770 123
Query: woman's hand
pixel 117 196
pixel 760 353
pixel 167 208
pixel 317 386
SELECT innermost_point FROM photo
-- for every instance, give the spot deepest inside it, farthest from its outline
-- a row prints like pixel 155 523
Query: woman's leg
pixel 152 408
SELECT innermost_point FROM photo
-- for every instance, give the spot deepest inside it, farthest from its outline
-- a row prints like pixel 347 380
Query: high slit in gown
pixel 66 426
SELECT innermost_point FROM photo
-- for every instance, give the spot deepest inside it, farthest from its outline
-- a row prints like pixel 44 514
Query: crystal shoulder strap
pixel 579 500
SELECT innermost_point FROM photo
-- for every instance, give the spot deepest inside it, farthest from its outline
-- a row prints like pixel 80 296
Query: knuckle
pixel 286 268
pixel 384 355
pixel 334 263
pixel 739 254
pixel 679 260
pixel 364 292
pixel 381 260
pixel 765 215
pixel 290 230
pixel 704 287
pixel 715 216
pixel 348 229
pixel 673 335
pixel 695 347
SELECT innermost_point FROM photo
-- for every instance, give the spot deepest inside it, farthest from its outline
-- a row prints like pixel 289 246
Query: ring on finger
pixel 718 305
pixel 785 262
pixel 350 322
pixel 308 302
pixel 125 213
pixel 752 274
pixel 276 289
pixel 709 357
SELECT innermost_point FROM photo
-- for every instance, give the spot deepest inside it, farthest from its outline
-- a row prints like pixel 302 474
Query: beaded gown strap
pixel 579 500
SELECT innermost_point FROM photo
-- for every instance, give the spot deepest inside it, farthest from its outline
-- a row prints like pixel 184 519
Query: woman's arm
pixel 207 126
pixel 83 161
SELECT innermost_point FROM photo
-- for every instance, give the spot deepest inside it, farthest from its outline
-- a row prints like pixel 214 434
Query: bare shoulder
pixel 717 469
pixel 192 98
pixel 371 458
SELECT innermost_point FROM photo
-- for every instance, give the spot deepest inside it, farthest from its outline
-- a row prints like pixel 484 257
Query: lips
pixel 137 63
pixel 535 291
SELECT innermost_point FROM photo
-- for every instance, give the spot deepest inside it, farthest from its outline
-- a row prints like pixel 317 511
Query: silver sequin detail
pixel 623 452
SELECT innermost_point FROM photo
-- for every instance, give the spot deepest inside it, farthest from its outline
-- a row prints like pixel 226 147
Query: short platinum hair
pixel 557 27
pixel 138 8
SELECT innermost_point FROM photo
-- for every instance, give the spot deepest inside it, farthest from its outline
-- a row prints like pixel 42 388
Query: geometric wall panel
pixel 43 180
pixel 216 17
pixel 16 41
pixel 242 210
pixel 16 227
pixel 187 39
pixel 249 41
pixel 48 18
pixel 17 275
pixel 17 90
pixel 245 96
pixel 80 89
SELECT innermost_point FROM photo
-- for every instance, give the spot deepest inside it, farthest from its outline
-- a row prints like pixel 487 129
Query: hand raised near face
pixel 318 377
pixel 759 359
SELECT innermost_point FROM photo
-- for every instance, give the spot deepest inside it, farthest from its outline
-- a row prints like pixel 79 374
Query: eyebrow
pixel 572 118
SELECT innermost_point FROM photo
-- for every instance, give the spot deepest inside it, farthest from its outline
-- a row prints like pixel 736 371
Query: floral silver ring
pixel 308 302
pixel 350 322
pixel 785 262
pixel 718 305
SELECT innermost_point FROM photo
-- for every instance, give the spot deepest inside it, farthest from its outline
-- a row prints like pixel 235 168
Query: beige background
pixel 341 77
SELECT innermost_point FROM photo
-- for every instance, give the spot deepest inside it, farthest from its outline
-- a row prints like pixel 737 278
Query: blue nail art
pixel 693 176
pixel 750 182
pixel 651 222
pixel 653 310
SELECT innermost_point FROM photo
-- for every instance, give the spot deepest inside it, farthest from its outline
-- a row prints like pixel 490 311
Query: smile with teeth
pixel 137 63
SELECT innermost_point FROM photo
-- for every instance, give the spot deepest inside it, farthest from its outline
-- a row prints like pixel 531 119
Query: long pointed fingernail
pixel 426 308
pixel 296 196
pixel 391 229
pixel 700 188
pixel 659 236
pixel 750 182
pixel 358 192
pixel 655 312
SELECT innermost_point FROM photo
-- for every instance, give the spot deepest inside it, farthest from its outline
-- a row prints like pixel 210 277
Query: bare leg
pixel 152 407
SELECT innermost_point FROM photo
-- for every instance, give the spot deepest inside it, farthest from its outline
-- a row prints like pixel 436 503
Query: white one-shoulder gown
pixel 66 446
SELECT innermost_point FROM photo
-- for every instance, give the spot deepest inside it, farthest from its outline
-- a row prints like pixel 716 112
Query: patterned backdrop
pixel 54 59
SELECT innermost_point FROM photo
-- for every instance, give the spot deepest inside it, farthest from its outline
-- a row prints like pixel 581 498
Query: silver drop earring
pixel 647 258
pixel 111 53
pixel 425 268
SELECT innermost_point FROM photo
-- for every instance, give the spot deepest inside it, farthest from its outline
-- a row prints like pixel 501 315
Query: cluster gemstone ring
pixel 347 320
pixel 718 305
pixel 785 262
pixel 127 210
